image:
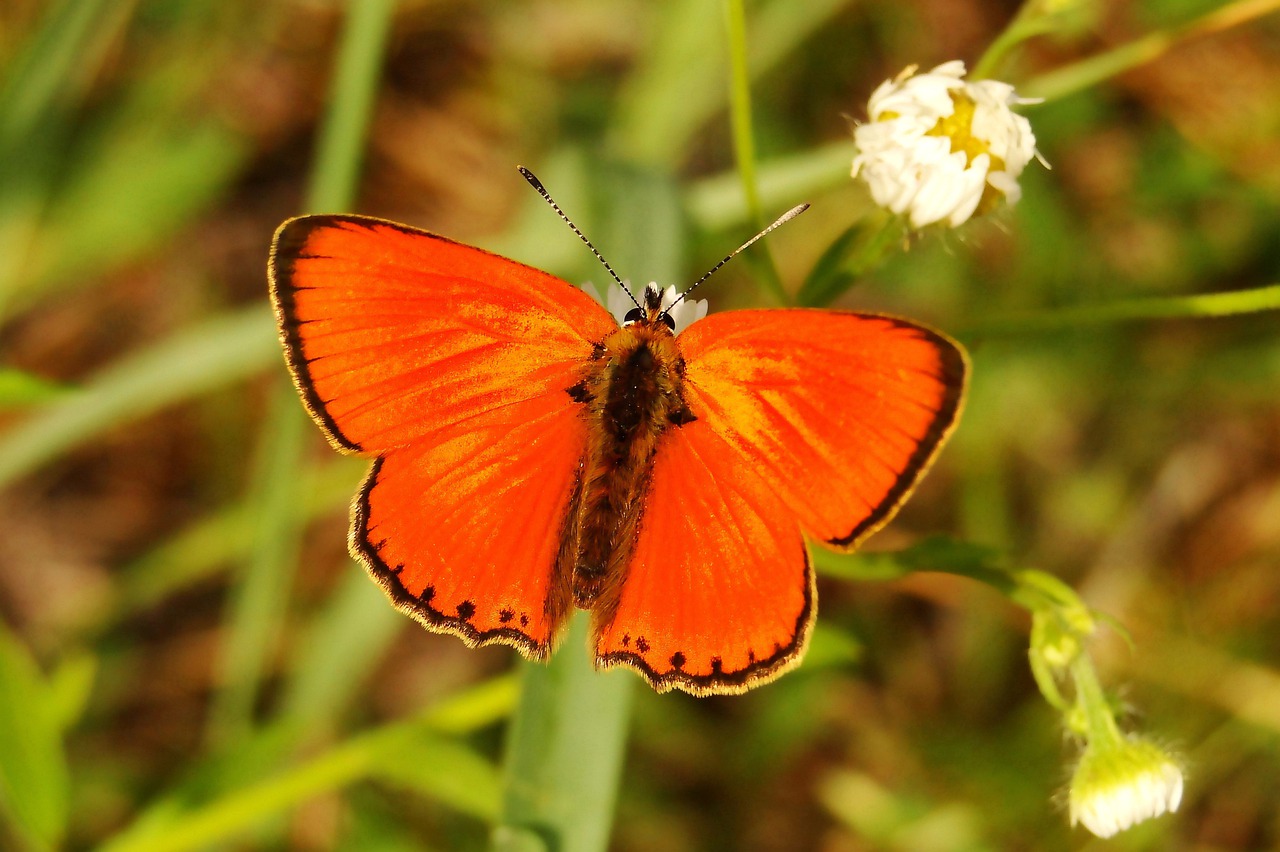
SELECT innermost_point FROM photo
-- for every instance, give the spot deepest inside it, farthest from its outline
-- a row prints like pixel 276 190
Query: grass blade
pixel 193 361
pixel 565 751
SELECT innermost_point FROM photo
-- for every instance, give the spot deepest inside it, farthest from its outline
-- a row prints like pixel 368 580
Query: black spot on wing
pixel 758 670
pixel 422 606
pixel 579 393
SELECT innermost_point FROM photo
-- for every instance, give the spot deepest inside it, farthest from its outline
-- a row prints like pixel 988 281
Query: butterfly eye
pixel 671 323
pixel 633 315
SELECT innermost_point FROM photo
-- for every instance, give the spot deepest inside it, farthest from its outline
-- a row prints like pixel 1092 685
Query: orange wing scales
pixel 720 594
pixel 451 365
pixel 841 412
pixel 463 373
pixel 384 325
pixel 463 535
pixel 819 421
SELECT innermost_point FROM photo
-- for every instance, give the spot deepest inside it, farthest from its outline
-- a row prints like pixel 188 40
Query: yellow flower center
pixel 958 127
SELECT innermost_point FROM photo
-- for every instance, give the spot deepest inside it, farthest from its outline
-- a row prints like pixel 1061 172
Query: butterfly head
pixel 652 312
pixel 670 309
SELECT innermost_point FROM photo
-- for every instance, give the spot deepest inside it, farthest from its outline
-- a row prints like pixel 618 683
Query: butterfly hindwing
pixel 813 421
pixel 719 591
pixel 453 367
pixel 464 531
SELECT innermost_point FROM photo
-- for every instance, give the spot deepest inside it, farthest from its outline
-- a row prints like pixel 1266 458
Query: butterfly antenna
pixel 781 220
pixel 546 196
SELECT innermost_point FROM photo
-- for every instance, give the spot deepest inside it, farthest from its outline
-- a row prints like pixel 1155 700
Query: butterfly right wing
pixel 452 366
pixel 813 421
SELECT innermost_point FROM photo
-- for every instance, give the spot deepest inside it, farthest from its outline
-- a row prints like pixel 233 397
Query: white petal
pixel 618 303
pixel 686 313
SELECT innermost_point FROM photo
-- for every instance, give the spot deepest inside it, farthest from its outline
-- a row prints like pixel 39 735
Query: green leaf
pixel 223 536
pixel 69 687
pixel 718 202
pixel 328 668
pixel 444 770
pixel 137 186
pixel 34 779
pixel 259 599
pixel 654 124
pixel 936 553
pixel 181 820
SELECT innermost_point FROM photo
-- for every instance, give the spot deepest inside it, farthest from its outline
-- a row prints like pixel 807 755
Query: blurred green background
pixel 189 658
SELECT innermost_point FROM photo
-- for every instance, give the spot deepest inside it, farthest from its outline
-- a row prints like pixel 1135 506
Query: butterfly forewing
pixel 393 333
pixel 452 365
pixel 841 412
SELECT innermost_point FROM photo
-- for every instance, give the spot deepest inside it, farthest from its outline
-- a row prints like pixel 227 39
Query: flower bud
pixel 1122 783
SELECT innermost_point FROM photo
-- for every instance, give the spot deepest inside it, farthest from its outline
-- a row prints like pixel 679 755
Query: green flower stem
pixel 1030 21
pixel 1129 310
pixel 855 254
pixel 565 752
pixel 1060 620
pixel 744 147
pixel 1100 725
pixel 1089 72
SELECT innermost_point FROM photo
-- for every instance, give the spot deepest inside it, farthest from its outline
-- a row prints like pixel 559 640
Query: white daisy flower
pixel 619 304
pixel 939 148
pixel 1122 784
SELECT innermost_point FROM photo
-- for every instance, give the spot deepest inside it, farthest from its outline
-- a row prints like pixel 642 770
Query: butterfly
pixel 533 456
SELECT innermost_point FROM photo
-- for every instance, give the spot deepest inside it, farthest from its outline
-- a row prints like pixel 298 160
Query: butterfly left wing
pixel 451 366
pixel 819 421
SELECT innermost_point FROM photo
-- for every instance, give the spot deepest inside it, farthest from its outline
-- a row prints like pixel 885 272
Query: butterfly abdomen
pixel 633 393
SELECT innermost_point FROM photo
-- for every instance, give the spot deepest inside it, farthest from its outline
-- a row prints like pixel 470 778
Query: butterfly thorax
pixel 632 391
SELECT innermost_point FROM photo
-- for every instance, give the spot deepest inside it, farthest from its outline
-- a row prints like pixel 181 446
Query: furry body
pixel 632 391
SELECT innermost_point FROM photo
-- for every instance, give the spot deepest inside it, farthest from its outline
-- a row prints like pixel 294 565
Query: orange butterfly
pixel 532 456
